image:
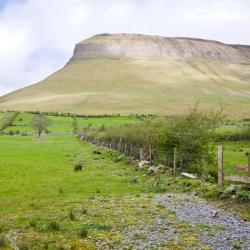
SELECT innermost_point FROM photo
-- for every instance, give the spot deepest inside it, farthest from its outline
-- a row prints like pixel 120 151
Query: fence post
pixel 120 142
pixel 174 162
pixel 220 166
pixel 141 154
pixel 125 148
pixel 248 164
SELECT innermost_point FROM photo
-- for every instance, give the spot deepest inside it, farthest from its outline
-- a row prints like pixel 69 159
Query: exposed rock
pixel 189 175
pixel 143 164
pixel 160 169
pixel 156 47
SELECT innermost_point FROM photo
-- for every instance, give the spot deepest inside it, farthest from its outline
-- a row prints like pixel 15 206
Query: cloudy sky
pixel 37 37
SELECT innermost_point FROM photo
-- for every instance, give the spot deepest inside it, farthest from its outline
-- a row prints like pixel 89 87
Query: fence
pixel 170 158
pixel 225 177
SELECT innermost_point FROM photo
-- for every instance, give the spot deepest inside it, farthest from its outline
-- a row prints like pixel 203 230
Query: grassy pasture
pixel 64 124
pixel 40 191
pixel 125 86
pixel 38 185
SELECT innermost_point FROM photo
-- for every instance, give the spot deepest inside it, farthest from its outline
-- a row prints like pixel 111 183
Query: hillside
pixel 126 73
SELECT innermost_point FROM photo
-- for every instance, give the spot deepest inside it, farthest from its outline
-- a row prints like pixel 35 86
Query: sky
pixel 37 37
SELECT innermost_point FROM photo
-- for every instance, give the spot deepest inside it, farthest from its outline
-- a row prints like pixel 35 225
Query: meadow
pixel 45 204
pixel 60 124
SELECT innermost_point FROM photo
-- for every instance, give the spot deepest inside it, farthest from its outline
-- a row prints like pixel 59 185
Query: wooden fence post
pixel 141 154
pixel 125 148
pixel 248 165
pixel 220 166
pixel 174 162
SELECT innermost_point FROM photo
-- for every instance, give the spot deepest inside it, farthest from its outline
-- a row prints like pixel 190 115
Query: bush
pixel 78 165
pixel 7 120
pixel 243 195
pixel 84 211
pixel 72 215
pixel 33 223
pixel 47 131
pixel 2 242
pixel 53 226
pixel 192 135
pixel 11 132
pixel 83 233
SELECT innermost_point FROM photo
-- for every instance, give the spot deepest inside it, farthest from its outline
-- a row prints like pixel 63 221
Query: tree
pixel 40 122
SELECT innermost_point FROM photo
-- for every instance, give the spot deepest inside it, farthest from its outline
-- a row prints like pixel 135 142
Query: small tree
pixel 40 122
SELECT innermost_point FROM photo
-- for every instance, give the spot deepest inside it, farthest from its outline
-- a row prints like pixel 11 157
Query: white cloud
pixel 38 36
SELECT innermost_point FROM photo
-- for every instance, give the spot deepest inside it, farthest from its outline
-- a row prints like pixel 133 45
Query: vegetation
pixel 158 138
pixel 40 123
pixel 6 119
pixel 91 87
pixel 49 205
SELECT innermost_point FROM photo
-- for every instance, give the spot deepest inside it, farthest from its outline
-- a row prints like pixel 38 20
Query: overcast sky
pixel 37 37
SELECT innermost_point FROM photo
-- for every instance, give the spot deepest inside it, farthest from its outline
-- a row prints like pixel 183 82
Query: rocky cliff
pixel 156 47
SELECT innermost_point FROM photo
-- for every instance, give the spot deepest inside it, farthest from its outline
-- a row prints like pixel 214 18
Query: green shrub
pixel 11 132
pixel 33 223
pixel 78 165
pixel 53 226
pixel 2 242
pixel 72 215
pixel 83 233
pixel 84 211
pixel 24 246
pixel 243 195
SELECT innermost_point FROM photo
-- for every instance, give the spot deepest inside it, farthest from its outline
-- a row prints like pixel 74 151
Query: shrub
pixel 11 132
pixel 2 242
pixel 53 226
pixel 33 223
pixel 133 180
pixel 72 214
pixel 24 246
pixel 84 211
pixel 46 131
pixel 83 233
pixel 78 165
pixel 243 195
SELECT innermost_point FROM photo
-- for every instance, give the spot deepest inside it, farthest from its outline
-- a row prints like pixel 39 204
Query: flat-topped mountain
pixel 132 73
pixel 156 47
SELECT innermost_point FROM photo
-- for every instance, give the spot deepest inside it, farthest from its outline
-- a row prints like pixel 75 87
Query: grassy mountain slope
pixel 127 85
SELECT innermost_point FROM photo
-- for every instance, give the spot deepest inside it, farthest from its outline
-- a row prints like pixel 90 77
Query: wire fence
pixel 220 166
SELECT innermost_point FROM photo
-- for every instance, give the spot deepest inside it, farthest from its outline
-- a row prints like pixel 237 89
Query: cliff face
pixel 155 47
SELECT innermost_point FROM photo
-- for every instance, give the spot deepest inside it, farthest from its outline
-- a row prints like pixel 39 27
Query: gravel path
pixel 224 231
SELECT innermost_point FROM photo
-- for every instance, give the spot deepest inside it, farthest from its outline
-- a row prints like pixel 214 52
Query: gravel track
pixel 223 231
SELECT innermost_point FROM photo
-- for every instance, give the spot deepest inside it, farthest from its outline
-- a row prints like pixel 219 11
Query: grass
pixel 38 183
pixel 235 155
pixel 46 203
pixel 63 125
pixel 111 86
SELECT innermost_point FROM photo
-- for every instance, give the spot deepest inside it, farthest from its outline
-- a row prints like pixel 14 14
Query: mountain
pixel 132 73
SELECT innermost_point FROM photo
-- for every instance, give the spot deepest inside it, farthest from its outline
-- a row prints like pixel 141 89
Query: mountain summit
pixel 133 73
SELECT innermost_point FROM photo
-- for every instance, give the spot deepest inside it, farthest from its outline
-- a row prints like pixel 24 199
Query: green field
pixel 45 204
pixel 61 124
